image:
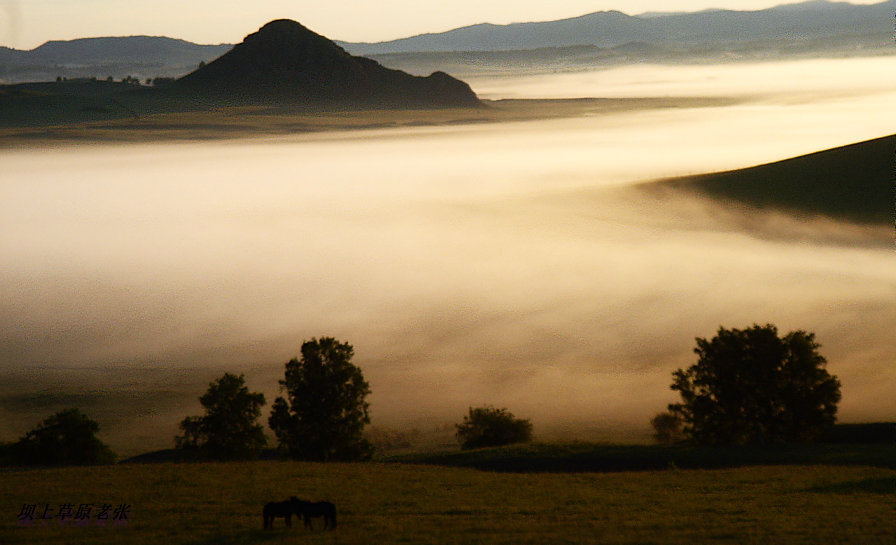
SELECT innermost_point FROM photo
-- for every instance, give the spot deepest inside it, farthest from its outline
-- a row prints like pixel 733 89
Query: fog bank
pixel 511 264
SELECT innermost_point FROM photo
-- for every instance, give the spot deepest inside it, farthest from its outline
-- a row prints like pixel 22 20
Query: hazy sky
pixel 25 24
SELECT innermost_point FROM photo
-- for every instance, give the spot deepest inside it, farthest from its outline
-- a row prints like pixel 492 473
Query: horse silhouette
pixel 310 510
pixel 285 509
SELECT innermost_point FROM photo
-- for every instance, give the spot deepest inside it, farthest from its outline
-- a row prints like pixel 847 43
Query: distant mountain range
pixel 809 28
pixel 139 56
pixel 799 22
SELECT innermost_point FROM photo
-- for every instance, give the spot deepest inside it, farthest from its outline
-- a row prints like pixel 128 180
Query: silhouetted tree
pixel 66 438
pixel 750 386
pixel 229 429
pixel 324 413
pixel 491 427
pixel 667 428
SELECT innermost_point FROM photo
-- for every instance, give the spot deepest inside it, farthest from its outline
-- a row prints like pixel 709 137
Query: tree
pixel 491 427
pixel 750 386
pixel 324 412
pixel 667 428
pixel 229 428
pixel 66 438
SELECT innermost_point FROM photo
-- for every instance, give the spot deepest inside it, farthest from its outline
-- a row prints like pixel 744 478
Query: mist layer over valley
pixel 513 264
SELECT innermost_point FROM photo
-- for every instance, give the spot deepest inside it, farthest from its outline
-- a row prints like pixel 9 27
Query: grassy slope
pixel 221 504
pixel 854 183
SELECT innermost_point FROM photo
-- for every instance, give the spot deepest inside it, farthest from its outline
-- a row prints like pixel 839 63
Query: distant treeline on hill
pixel 871 433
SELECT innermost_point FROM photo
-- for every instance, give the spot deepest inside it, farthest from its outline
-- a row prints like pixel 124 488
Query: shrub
pixel 489 427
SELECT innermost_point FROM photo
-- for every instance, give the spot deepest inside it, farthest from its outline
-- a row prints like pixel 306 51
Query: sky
pixel 26 24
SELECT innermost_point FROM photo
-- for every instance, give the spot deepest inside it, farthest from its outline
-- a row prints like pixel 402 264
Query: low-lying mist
pixel 789 81
pixel 511 264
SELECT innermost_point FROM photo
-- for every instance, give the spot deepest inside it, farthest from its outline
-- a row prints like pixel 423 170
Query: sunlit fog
pixel 511 264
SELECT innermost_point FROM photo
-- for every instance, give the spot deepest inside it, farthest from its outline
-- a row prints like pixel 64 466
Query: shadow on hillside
pixel 881 485
pixel 249 536
pixel 575 458
pixel 174 455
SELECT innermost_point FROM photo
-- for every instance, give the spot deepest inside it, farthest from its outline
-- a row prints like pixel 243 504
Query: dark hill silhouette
pixel 284 61
pixel 853 182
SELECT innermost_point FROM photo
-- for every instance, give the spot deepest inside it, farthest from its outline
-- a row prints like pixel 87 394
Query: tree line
pixel 748 387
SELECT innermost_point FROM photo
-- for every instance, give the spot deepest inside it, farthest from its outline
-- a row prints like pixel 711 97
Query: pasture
pixel 221 503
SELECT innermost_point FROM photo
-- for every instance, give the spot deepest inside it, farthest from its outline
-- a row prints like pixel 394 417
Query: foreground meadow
pixel 394 503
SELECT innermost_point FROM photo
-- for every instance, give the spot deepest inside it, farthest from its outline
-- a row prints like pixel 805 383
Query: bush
pixel 491 427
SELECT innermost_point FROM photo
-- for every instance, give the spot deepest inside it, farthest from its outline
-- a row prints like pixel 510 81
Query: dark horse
pixel 285 509
pixel 310 510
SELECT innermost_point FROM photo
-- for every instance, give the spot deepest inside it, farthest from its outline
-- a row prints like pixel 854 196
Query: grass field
pixel 395 503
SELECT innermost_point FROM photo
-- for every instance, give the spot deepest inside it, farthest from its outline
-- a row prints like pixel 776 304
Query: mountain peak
pixel 286 25
pixel 286 30
pixel 285 61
